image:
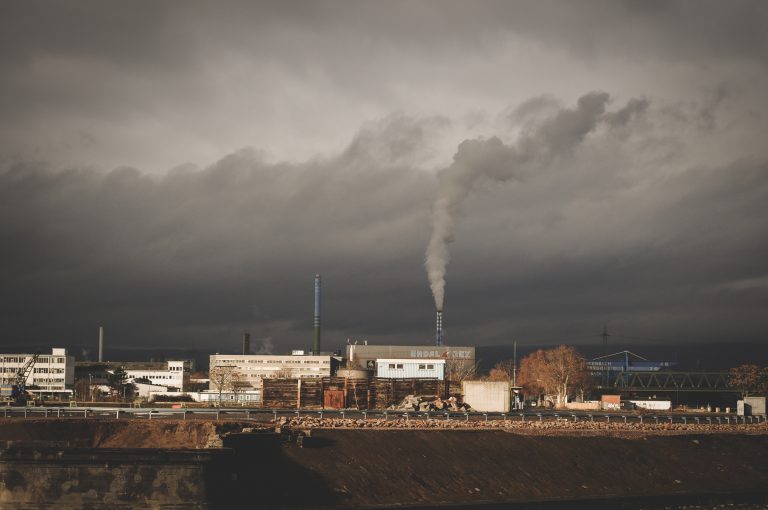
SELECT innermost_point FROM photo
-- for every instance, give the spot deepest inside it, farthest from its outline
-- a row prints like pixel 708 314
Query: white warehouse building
pixel 165 373
pixel 52 373
pixel 406 368
pixel 255 367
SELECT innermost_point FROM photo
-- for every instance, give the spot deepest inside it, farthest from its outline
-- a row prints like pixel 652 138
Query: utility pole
pixel 514 363
pixel 514 371
pixel 605 353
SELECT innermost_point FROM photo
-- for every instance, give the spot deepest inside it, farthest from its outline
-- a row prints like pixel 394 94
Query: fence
pixel 339 392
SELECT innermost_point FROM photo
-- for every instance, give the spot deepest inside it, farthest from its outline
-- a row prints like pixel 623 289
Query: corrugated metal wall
pixel 359 393
pixel 410 369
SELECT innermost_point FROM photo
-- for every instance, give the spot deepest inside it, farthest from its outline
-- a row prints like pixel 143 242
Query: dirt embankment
pixel 177 434
pixel 532 426
pixel 434 467
pixel 351 465
pixel 94 433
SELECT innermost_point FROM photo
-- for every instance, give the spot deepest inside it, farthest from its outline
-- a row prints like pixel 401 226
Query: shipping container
pixel 488 396
pixel 398 368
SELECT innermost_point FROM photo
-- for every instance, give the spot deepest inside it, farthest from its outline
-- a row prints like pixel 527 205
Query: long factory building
pixel 365 355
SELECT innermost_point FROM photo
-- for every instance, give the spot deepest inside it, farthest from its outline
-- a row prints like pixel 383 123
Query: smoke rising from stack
pixel 493 160
pixel 264 346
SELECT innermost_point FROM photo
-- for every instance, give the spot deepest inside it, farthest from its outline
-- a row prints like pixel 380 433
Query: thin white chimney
pixel 101 344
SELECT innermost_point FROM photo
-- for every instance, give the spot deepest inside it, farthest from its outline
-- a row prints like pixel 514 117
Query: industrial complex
pixel 264 424
pixel 364 376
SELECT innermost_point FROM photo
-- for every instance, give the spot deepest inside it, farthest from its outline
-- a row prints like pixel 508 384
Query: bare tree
pixel 238 384
pixel 561 372
pixel 747 379
pixel 459 369
pixel 283 373
pixel 502 371
pixel 531 375
pixel 221 378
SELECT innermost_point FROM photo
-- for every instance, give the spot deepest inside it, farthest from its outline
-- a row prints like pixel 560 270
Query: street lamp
pixel 90 387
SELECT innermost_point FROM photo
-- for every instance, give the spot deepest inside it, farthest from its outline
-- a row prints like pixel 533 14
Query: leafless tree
pixel 561 372
pixel 283 373
pixel 221 378
pixel 238 384
pixel 748 379
pixel 458 370
pixel 502 371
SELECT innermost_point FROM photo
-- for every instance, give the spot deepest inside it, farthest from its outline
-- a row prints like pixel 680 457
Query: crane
pixel 19 393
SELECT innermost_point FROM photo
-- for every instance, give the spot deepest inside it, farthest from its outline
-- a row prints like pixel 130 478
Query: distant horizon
pixel 708 356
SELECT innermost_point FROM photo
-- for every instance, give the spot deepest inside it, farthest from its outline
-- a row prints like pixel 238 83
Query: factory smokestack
pixel 439 329
pixel 101 344
pixel 316 341
pixel 246 343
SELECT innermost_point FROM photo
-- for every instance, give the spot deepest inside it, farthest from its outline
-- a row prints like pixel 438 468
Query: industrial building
pixel 255 367
pixel 170 374
pixel 365 355
pixel 50 374
pixel 407 368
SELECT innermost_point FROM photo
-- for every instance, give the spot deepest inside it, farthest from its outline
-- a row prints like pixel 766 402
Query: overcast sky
pixel 178 171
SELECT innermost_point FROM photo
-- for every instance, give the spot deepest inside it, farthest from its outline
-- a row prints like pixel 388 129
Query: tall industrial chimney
pixel 439 329
pixel 316 341
pixel 246 343
pixel 101 344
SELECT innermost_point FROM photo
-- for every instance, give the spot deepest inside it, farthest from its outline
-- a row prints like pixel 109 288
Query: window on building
pixel 422 367
pixel 430 367
pixel 399 365
pixel 391 365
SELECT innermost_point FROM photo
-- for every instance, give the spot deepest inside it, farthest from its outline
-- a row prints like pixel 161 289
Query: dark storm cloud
pixel 227 246
pixel 196 256
pixel 653 217
pixel 96 83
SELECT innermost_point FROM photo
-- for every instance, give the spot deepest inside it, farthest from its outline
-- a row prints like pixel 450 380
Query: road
pixel 266 415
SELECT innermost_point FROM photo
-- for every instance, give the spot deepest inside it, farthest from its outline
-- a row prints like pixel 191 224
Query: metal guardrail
pixel 273 414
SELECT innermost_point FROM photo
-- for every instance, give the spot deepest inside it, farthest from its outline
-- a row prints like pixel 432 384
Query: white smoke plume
pixel 264 345
pixel 492 159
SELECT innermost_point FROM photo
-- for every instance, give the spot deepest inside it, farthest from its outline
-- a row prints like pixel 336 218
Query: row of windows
pixel 156 376
pixel 23 359
pixel 399 366
pixel 33 380
pixel 272 361
pixel 37 370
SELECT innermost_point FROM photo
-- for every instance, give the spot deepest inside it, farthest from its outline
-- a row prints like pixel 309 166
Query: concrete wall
pixel 654 405
pixel 751 406
pixel 584 406
pixel 487 396
pixel 46 477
